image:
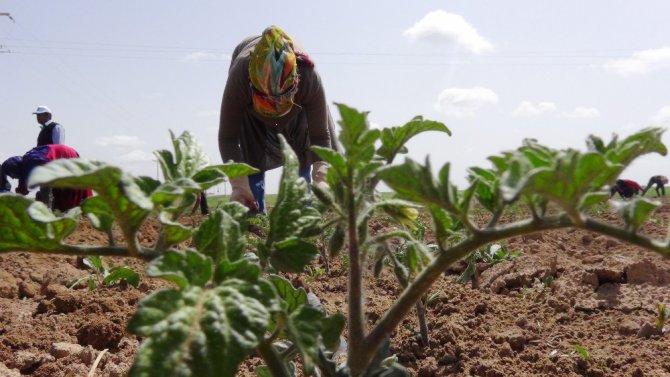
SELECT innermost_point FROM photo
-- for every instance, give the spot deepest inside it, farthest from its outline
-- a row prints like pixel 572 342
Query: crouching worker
pixel 20 167
pixel 272 88
pixel 626 188
pixel 659 181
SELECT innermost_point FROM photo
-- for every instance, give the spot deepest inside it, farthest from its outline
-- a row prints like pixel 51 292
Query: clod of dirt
pixel 647 330
pixel 100 333
pixel 9 286
pixel 4 371
pixel 27 361
pixel 61 349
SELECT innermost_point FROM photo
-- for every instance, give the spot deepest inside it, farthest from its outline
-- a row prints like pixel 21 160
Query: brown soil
pixel 604 298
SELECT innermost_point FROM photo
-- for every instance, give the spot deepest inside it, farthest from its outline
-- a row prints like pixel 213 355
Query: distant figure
pixel 659 181
pixel 52 132
pixel 20 167
pixel 626 188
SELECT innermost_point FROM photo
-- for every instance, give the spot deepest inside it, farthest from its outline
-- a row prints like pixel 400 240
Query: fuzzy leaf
pixel 57 227
pixel 18 231
pixel 184 268
pixel 221 237
pixel 125 198
pixel 304 328
pixel 241 269
pixel 636 212
pixel 331 330
pixel 292 254
pixel 292 298
pixel 174 232
pixel 393 139
pixel 99 213
pixel 201 332
pixel 118 274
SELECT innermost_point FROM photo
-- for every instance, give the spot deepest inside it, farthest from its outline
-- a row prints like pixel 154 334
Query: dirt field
pixel 603 298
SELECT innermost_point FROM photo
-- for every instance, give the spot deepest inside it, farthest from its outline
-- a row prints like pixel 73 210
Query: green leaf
pixel 211 175
pixel 414 182
pixel 201 332
pixel 638 144
pixel 591 199
pixel 118 274
pixel 95 263
pixel 292 217
pixel 57 227
pixel 336 241
pixel 393 139
pixel 147 184
pixel 573 176
pixel 331 330
pixel 221 237
pixel 242 269
pixel 174 232
pixel 304 327
pixel 125 198
pixel 292 298
pixel 99 213
pixel 292 255
pixel 636 212
pixel 418 258
pixel 184 268
pixel 18 231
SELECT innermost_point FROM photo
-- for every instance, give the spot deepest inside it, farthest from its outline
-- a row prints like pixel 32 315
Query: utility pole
pixel 8 15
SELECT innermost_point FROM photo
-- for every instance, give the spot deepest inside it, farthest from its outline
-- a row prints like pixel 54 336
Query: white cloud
pixel 581 112
pixel 199 56
pixel 137 155
pixel 641 62
pixel 439 26
pixel 464 102
pixel 662 117
pixel 119 141
pixel 530 109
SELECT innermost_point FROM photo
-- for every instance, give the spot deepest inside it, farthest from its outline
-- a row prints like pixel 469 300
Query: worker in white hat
pixel 52 132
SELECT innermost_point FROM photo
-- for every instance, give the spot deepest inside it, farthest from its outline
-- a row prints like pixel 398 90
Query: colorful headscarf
pixel 273 71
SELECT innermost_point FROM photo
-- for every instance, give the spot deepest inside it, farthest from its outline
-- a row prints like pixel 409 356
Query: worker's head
pixel 620 182
pixel 43 114
pixel 273 72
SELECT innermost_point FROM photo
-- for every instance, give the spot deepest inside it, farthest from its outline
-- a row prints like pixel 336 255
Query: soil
pixel 513 321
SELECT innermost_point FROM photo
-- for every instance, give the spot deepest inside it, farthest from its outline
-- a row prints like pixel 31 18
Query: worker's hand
pixel 319 171
pixel 242 193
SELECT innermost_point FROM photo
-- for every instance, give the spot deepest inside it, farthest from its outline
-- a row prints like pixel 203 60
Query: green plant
pixel 228 303
pixel 661 317
pixel 583 353
pixel 491 253
pixel 105 276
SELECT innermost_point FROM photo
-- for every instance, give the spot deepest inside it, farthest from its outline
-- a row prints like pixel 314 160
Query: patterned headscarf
pixel 273 71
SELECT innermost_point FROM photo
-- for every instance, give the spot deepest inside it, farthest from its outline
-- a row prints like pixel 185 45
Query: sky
pixel 119 75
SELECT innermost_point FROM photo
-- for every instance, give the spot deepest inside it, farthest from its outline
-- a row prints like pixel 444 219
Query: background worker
pixel 272 88
pixel 659 181
pixel 626 188
pixel 20 167
pixel 51 132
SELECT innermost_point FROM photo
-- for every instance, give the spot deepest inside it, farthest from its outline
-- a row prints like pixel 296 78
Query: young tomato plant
pixel 105 276
pixel 228 303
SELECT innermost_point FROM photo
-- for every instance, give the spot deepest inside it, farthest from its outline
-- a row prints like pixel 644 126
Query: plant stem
pixel 423 327
pixel 272 359
pixel 423 282
pixel 356 325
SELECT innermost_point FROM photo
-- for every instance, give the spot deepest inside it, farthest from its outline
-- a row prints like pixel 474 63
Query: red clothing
pixel 632 184
pixel 21 167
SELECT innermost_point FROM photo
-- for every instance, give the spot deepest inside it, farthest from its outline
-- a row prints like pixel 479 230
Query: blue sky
pixel 118 75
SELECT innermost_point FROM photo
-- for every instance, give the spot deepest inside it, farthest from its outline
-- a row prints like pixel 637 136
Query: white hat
pixel 42 110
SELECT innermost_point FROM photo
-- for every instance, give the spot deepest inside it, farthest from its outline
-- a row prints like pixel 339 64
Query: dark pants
pixel 257 184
